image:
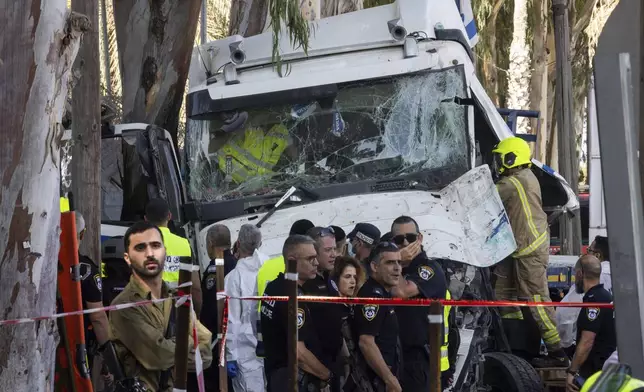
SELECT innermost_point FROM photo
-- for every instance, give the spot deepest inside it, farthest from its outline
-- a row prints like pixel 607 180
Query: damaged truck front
pixel 383 117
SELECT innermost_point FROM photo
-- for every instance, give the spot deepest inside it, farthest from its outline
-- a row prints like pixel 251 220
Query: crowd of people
pixel 341 347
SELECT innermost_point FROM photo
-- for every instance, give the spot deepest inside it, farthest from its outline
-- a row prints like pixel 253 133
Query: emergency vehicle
pixel 382 117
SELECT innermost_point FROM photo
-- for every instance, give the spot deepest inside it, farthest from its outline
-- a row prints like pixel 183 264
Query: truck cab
pixel 383 116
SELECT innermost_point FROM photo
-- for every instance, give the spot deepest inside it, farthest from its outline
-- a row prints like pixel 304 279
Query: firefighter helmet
pixel 510 153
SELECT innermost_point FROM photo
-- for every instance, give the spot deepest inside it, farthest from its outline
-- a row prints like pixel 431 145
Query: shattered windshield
pixel 376 129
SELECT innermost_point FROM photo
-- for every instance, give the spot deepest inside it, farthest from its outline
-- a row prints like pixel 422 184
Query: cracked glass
pixel 370 130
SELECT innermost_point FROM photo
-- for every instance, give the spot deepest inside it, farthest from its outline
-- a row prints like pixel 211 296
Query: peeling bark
pixel 86 132
pixel 519 70
pixel 40 42
pixel 338 7
pixel 248 17
pixel 155 41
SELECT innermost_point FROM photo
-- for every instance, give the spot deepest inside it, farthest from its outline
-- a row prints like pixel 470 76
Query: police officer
pixel 327 317
pixel 363 238
pixel 217 238
pixel 274 324
pixel 376 326
pixel 596 339
pixel 424 278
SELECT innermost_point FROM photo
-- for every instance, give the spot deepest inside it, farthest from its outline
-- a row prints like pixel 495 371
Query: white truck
pixel 383 117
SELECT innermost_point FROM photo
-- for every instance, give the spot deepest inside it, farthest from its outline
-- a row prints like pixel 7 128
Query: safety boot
pixel 554 359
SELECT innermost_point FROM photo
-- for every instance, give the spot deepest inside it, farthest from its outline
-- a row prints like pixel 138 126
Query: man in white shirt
pixel 567 317
pixel 244 367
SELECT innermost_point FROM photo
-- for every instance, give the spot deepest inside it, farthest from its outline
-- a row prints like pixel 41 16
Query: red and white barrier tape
pixel 88 311
pixel 420 302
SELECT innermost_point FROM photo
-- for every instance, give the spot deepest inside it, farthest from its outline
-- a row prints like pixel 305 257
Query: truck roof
pixel 359 30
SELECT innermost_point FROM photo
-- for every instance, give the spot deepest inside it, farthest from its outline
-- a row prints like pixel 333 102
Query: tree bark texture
pixel 539 82
pixel 38 45
pixel 519 71
pixel 155 41
pixel 248 17
pixel 338 7
pixel 86 132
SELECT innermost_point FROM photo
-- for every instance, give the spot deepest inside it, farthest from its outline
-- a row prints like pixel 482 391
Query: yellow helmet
pixel 511 152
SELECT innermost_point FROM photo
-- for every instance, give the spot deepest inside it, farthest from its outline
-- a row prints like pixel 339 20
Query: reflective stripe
pixel 552 335
pixel 539 239
pixel 533 246
pixel 526 207
pixel 518 315
pixel 64 204
pixel 444 347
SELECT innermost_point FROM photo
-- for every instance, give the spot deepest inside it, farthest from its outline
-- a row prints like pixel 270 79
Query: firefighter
pixel 423 278
pixel 523 274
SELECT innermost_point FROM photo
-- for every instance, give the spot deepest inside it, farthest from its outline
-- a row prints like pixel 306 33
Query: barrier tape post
pixel 183 327
pixel 221 303
pixel 293 322
pixel 195 341
pixel 435 332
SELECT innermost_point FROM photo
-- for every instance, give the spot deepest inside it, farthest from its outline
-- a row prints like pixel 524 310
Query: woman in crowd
pixel 348 276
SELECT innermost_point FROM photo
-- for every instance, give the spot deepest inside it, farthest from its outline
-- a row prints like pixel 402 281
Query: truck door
pixel 138 163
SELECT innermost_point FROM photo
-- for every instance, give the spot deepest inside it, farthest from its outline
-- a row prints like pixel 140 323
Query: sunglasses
pixel 400 238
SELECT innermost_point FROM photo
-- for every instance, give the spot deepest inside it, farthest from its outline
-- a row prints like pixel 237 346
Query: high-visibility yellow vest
pixel 253 154
pixel 176 248
pixel 631 385
pixel 64 204
pixel 268 271
pixel 444 351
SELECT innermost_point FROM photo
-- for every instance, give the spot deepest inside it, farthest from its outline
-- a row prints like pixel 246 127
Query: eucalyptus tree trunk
pixel 519 71
pixel 155 41
pixel 539 82
pixel 39 42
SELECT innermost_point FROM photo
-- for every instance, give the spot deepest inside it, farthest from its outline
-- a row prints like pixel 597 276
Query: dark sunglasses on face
pixel 400 238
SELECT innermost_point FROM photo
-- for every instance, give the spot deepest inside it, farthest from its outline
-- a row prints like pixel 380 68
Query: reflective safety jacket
pixel 176 249
pixel 252 154
pixel 595 384
pixel 444 350
pixel 521 196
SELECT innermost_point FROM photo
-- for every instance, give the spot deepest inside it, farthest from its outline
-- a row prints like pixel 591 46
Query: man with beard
pixel 144 336
pixel 376 326
pixel 596 339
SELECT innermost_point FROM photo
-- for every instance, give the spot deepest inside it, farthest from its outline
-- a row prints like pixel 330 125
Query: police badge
pixel 425 272
pixel 98 281
pixel 300 318
pixel 593 313
pixel 210 282
pixel 370 312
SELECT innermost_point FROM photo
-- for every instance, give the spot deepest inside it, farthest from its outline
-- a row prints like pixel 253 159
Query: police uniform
pixel 274 323
pixel 209 312
pixel 380 322
pixel 327 323
pixel 91 291
pixel 601 321
pixel 429 277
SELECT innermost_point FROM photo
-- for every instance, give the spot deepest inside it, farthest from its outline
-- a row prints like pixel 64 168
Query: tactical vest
pixel 253 154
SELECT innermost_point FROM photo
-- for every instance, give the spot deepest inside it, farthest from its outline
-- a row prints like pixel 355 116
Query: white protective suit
pixel 567 317
pixel 241 336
